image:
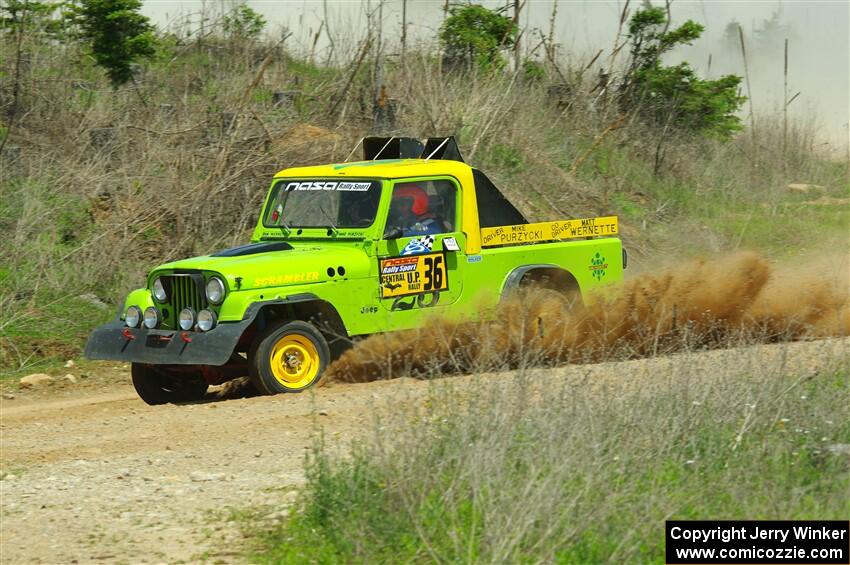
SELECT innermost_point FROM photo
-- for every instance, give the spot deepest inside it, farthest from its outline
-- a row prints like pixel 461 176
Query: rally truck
pixel 343 251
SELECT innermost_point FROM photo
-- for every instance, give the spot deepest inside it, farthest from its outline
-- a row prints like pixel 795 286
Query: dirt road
pixel 98 476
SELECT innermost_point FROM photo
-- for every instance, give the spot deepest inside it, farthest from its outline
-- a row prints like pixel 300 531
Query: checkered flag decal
pixel 418 245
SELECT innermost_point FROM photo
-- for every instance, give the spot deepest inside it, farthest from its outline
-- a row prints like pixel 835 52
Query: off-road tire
pixel 156 385
pixel 262 354
pixel 569 294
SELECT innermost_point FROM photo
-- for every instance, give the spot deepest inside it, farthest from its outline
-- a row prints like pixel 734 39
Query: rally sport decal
pixel 417 274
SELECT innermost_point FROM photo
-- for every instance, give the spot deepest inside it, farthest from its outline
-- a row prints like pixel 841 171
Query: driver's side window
pixel 422 208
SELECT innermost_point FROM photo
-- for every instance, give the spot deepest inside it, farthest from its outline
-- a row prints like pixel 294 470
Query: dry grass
pixel 581 464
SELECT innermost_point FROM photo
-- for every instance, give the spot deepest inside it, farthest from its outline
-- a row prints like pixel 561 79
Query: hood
pixel 270 264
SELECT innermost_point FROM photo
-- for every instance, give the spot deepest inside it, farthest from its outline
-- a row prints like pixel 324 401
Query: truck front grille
pixel 186 291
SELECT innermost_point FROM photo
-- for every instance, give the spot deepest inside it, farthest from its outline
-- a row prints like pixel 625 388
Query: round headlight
pixel 187 319
pixel 206 320
pixel 151 317
pixel 215 290
pixel 133 317
pixel 159 290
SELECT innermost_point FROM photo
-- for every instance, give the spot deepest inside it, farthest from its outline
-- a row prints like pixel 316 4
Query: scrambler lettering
pixel 287 279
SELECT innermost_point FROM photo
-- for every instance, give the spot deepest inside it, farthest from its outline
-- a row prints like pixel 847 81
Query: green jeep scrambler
pixel 341 251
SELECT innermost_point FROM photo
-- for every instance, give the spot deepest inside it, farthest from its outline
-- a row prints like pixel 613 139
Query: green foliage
pixel 533 71
pixel 243 23
pixel 674 96
pixel 19 13
pixel 651 38
pixel 117 33
pixel 507 157
pixel 474 36
pixel 37 18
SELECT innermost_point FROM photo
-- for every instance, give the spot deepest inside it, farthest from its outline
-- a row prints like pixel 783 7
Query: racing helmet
pixel 417 196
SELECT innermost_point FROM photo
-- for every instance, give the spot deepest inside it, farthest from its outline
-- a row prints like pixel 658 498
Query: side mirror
pixel 393 233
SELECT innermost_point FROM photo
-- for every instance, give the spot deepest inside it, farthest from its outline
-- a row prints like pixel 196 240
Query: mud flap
pixel 116 342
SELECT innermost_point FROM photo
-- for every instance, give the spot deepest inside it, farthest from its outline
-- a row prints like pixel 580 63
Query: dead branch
pixel 615 125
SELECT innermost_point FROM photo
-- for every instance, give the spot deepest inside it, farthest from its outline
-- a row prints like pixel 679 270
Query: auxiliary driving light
pixel 206 320
pixel 159 290
pixel 151 317
pixel 133 317
pixel 187 319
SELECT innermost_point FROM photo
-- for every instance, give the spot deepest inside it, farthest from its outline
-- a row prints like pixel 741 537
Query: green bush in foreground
pixel 576 472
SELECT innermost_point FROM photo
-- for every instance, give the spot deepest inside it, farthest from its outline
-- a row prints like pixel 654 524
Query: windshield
pixel 323 203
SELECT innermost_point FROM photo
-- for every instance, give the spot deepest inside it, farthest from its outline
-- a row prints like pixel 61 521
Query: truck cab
pixel 340 251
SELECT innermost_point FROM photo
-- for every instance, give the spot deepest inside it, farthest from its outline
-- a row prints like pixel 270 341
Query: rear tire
pixel 558 284
pixel 289 357
pixel 157 385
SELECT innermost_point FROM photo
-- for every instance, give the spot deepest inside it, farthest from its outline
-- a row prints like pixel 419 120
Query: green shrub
pixel 243 23
pixel 674 96
pixel 533 71
pixel 38 17
pixel 117 34
pixel 474 36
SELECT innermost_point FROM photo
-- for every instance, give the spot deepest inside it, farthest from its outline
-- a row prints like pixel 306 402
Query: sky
pixel 818 34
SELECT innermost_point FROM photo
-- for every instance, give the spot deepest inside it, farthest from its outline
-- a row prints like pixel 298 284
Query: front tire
pixel 156 385
pixel 289 357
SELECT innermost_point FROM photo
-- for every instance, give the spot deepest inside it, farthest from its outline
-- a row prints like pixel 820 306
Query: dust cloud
pixel 735 300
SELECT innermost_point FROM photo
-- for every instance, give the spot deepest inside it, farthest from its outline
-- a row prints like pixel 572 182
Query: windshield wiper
pixel 285 226
pixel 331 227
pixel 279 221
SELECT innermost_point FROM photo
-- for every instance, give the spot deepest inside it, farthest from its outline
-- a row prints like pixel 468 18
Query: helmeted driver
pixel 409 211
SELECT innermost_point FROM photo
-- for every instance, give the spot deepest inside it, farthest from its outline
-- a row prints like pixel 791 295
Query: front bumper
pixel 116 342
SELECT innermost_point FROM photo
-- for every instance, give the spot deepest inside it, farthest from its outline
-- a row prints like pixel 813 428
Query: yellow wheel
pixel 289 357
pixel 294 361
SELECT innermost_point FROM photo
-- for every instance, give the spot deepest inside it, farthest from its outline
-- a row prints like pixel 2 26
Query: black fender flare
pixel 308 308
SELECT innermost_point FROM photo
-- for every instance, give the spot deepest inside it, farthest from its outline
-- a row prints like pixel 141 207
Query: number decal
pixel 429 273
pixel 438 271
pixel 433 272
pixel 417 274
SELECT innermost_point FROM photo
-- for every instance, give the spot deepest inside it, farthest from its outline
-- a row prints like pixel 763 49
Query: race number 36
pixel 413 274
pixel 434 273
